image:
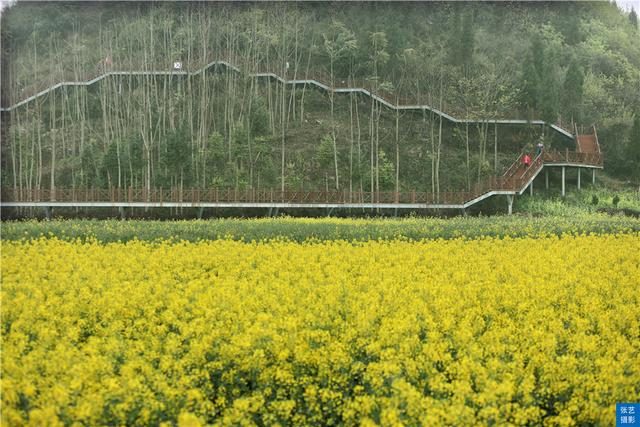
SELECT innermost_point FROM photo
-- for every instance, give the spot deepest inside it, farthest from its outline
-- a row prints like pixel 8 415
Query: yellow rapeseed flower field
pixel 445 332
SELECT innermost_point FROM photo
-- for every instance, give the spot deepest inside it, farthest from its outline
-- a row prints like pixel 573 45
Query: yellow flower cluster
pixel 456 332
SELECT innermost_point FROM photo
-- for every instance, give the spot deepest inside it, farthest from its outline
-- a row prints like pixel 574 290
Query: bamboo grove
pixel 227 128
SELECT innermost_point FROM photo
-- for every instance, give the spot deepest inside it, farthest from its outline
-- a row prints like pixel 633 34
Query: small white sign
pixel 177 65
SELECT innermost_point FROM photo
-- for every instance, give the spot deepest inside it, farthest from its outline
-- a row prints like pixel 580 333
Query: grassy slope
pixel 603 26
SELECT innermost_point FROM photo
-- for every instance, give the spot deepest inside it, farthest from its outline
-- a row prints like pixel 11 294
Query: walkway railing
pixel 409 100
pixel 196 196
pixel 514 180
pixel 574 157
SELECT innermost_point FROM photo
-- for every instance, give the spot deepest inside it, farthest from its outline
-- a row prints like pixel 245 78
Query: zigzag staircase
pixel 519 176
pixel 514 181
pixel 320 80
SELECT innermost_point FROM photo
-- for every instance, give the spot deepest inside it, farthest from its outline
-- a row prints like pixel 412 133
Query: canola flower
pixel 523 331
pixel 302 229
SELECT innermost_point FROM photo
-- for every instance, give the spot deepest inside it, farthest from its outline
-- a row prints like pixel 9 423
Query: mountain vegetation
pixel 563 63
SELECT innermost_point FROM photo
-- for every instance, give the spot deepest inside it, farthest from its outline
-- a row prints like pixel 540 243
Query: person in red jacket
pixel 526 160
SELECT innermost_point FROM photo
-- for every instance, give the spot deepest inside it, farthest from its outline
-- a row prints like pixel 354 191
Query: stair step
pixel 587 144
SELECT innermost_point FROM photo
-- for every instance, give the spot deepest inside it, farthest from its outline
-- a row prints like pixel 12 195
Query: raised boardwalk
pixel 513 182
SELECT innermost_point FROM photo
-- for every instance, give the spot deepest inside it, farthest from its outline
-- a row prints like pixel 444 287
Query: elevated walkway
pixel 513 182
pixel 320 80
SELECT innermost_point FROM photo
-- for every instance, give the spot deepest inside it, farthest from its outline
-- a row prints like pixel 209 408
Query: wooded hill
pixel 558 62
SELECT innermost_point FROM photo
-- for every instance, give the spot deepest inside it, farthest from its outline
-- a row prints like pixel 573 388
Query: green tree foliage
pixel 176 156
pixel 378 55
pixel 461 40
pixel 386 171
pixel 454 41
pixel 259 118
pixel 339 43
pixel 215 160
pixel 572 92
pixel 324 153
pixel 467 42
pixel 109 163
pixel 633 148
pixel 540 87
pixel 91 165
pixel 633 19
pixel 532 74
pixel 571 26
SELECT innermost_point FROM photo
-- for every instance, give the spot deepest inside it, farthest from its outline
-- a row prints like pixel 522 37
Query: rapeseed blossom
pixel 303 229
pixel 516 331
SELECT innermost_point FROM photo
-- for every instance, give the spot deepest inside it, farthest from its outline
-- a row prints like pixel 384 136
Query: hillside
pixel 557 62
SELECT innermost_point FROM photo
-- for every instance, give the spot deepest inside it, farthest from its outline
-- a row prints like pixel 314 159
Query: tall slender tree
pixel 572 92
pixel 339 43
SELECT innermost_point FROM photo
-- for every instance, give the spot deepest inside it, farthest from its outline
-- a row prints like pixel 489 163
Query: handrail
pixel 511 183
pixel 563 126
pixel 595 134
pixel 530 172
pixel 538 159
pixel 515 165
pixel 364 87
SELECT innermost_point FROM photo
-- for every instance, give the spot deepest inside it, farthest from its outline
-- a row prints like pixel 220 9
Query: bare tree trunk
pixel 359 139
pixel 304 87
pixel 397 153
pixel 351 145
pixel 379 113
pixel 433 151
pixel 495 147
pixel 333 126
pixel 468 156
pixel 53 133
pixel 40 161
pixel 372 148
pixel 15 140
pixel 53 163
pixel 439 148
pixel 439 151
pixel 282 144
pixel 296 64
pixel 483 129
